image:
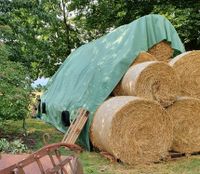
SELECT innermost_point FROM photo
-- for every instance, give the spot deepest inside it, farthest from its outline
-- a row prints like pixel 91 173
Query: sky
pixel 40 81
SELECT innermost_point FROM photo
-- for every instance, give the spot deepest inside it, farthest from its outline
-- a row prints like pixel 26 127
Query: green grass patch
pixel 93 162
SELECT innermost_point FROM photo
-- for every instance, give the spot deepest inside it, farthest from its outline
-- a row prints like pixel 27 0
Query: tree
pixel 14 88
pixel 102 16
pixel 185 16
pixel 41 34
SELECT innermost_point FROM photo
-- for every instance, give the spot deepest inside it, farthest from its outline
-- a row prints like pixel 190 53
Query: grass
pixel 93 162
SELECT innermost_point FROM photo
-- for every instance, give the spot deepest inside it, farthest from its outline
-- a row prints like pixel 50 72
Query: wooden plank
pixel 76 127
pixel 79 129
pixel 68 130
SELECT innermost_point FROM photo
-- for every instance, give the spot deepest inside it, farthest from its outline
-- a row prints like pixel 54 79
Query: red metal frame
pixel 48 150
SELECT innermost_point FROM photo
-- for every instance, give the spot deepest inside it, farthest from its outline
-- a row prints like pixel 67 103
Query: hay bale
pixel 162 51
pixel 185 113
pixel 143 57
pixel 132 129
pixel 152 80
pixel 187 68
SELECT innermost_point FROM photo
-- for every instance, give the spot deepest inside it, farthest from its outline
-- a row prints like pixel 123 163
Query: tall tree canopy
pixel 101 16
pixel 42 33
pixel 39 33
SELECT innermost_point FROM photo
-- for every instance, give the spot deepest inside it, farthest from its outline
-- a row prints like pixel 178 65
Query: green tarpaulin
pixel 90 73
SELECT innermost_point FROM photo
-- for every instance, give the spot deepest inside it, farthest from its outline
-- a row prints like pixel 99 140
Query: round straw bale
pixel 143 57
pixel 185 113
pixel 187 68
pixel 132 129
pixel 152 80
pixel 162 51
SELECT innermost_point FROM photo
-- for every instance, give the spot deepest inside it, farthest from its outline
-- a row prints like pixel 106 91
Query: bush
pixel 14 89
pixel 14 147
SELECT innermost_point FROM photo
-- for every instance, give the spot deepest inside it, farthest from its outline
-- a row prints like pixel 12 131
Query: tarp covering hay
pixel 91 72
pixel 187 68
pixel 132 129
pixel 162 51
pixel 185 113
pixel 152 80
pixel 143 57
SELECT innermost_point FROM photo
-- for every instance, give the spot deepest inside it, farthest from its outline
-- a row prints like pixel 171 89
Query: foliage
pixel 14 147
pixel 102 16
pixel 14 88
pixel 185 16
pixel 39 33
pixel 42 33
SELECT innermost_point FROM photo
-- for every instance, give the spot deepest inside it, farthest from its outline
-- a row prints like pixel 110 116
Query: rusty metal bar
pixel 51 158
pixel 59 159
pixel 39 154
pixel 20 170
pixel 59 166
pixel 39 165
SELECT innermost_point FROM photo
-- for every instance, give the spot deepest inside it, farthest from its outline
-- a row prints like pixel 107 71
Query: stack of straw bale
pixel 152 80
pixel 155 108
pixel 132 129
pixel 186 110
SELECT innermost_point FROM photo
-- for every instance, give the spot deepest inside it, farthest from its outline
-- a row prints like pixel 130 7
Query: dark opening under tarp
pixel 90 73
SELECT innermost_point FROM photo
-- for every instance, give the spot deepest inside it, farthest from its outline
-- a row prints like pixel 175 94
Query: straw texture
pixel 143 57
pixel 132 129
pixel 152 80
pixel 185 113
pixel 162 51
pixel 187 67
